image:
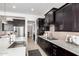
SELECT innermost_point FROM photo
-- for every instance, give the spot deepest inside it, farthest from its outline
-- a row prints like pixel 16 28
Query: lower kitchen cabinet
pixel 51 49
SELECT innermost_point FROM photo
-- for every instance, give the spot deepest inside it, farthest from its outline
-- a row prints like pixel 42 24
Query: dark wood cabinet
pixel 59 20
pixel 49 18
pixel 77 16
pixel 53 50
pixel 46 27
pixel 75 9
pixel 64 18
pixel 40 22
pixel 67 18
pixel 40 25
pixel 46 46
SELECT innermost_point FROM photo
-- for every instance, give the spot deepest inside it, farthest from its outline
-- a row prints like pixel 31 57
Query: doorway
pixel 33 48
pixel 31 30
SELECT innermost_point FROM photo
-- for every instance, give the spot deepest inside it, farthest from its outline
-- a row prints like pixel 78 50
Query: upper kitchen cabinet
pixel 49 16
pixel 67 18
pixel 40 22
pixel 59 20
pixel 40 25
pixel 76 16
pixel 64 18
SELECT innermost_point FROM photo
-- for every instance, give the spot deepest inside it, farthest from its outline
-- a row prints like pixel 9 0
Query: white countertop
pixel 63 44
pixel 19 51
pixel 5 51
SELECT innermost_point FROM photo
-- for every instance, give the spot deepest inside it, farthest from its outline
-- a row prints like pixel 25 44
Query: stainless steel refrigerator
pixel 19 31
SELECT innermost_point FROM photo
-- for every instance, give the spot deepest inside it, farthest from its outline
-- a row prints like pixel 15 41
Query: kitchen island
pixel 18 51
pixel 13 48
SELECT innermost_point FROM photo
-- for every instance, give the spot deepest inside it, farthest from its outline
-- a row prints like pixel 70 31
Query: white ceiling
pixel 39 8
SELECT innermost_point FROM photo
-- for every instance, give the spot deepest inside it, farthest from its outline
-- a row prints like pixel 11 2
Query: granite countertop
pixel 63 44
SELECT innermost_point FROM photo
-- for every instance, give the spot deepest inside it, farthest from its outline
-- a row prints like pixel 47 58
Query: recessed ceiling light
pixel 13 6
pixel 32 9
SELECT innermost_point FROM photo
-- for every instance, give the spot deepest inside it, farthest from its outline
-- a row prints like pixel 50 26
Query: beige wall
pixel 61 35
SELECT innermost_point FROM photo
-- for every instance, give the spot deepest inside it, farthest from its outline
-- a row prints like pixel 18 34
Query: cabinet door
pixel 76 16
pixel 51 17
pixel 68 18
pixel 40 42
pixel 47 18
pixel 47 48
pixel 65 18
pixel 59 20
